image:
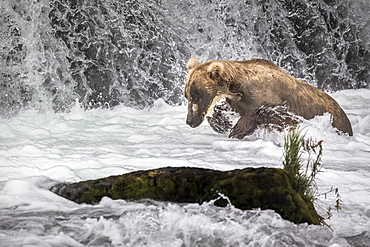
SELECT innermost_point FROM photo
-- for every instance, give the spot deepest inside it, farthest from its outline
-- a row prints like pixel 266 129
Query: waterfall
pixel 102 53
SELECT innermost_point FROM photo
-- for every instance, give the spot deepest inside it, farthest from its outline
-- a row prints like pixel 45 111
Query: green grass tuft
pixel 304 170
pixel 302 158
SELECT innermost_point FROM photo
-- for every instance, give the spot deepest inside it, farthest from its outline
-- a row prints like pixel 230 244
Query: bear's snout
pixel 190 123
pixel 195 115
pixel 194 121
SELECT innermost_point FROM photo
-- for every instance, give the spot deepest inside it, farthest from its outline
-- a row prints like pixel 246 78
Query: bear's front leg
pixel 221 120
pixel 270 117
pixel 219 123
pixel 243 127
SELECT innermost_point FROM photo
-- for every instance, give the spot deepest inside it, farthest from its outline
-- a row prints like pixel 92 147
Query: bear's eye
pixel 195 97
pixel 197 91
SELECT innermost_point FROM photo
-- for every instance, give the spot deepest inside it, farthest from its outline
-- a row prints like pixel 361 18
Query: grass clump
pixel 295 147
pixel 302 158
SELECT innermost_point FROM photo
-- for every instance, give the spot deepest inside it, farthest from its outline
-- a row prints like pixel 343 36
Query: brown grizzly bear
pixel 251 84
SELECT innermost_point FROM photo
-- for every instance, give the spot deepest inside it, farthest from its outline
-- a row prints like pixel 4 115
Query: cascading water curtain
pixel 103 53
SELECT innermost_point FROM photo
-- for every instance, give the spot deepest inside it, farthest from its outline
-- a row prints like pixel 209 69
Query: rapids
pixel 38 150
pixel 90 89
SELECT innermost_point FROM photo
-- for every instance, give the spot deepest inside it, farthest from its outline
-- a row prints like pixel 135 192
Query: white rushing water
pixel 39 149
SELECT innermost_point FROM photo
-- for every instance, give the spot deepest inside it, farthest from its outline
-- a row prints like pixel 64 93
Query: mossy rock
pixel 265 188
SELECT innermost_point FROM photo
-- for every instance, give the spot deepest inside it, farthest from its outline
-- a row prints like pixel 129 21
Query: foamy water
pixel 39 149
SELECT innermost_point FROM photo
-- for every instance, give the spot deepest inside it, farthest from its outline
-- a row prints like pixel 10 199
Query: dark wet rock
pixel 265 188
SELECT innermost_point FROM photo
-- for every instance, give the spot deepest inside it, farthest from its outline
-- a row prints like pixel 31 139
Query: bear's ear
pixel 215 70
pixel 192 63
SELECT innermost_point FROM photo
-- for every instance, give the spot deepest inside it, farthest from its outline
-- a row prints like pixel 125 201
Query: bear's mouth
pixel 196 121
pixel 216 100
pixel 220 98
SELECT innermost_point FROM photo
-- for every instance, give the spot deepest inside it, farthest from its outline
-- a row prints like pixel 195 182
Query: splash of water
pixel 105 53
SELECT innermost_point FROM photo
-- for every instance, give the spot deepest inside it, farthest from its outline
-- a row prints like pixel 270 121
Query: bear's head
pixel 205 85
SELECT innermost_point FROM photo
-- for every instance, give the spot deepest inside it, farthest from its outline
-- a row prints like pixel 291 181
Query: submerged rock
pixel 265 188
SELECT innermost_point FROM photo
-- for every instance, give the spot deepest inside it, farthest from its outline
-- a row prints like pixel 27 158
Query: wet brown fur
pixel 270 117
pixel 250 84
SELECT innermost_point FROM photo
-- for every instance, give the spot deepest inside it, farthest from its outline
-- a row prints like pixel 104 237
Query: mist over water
pixel 61 61
pixel 103 53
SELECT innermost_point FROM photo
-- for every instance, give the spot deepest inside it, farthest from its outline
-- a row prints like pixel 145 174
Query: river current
pixel 38 150
pixel 90 89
